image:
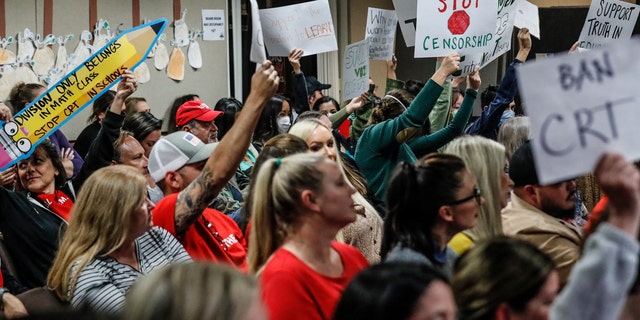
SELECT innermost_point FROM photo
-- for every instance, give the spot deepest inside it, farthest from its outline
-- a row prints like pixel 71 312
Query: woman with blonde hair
pixel 110 242
pixel 195 291
pixel 486 159
pixel 300 204
pixel 366 232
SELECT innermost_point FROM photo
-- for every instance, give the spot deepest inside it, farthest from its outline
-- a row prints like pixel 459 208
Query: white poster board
pixel 406 13
pixel 527 16
pixel 447 26
pixel 355 70
pixel 581 105
pixel 501 42
pixel 213 25
pixel 257 53
pixel 607 21
pixel 381 33
pixel 307 26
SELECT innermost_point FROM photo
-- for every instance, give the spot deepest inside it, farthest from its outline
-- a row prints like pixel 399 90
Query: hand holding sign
pixel 450 64
pixel 473 80
pixel 294 59
pixel 524 44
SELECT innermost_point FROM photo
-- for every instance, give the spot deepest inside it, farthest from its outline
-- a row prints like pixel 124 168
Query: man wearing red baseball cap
pixel 197 118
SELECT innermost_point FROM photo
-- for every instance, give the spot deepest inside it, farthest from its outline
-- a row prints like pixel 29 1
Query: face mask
pixel 283 124
pixel 332 113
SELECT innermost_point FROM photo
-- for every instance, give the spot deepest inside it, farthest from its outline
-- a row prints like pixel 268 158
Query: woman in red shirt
pixel 300 204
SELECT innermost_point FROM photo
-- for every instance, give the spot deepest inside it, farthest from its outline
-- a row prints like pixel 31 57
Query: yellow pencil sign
pixel 76 90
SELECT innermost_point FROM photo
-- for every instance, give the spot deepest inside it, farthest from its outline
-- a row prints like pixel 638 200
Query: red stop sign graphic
pixel 458 22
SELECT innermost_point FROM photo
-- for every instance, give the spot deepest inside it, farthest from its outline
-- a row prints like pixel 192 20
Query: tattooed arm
pixel 226 157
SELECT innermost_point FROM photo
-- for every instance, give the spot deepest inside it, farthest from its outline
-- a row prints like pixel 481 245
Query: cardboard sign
pixel 307 25
pixel 381 33
pixel 76 90
pixel 213 25
pixel 527 17
pixel 501 42
pixel 581 105
pixel 258 54
pixel 445 26
pixel 355 70
pixel 406 13
pixel 607 21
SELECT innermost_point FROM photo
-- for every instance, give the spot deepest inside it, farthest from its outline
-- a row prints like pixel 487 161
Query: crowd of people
pixel 295 206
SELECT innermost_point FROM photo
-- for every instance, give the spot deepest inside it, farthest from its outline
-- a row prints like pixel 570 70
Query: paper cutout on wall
pixel 194 55
pixel 25 45
pixel 44 59
pixel 6 55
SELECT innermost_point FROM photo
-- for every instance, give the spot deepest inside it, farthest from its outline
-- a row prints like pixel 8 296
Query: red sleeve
pixel 163 215
pixel 285 297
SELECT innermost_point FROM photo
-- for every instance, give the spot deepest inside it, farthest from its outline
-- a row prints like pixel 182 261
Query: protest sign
pixel 257 54
pixel 306 25
pixel 501 42
pixel 213 25
pixel 581 105
pixel 355 70
pixel 607 21
pixel 527 17
pixel 67 97
pixel 381 33
pixel 445 26
pixel 406 13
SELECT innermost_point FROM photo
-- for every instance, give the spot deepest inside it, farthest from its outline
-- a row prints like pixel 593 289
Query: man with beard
pixel 542 215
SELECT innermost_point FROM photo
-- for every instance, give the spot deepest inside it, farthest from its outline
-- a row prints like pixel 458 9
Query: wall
pixel 211 82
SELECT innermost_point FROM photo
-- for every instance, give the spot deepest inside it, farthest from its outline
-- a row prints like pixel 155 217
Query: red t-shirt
pixel 213 237
pixel 292 290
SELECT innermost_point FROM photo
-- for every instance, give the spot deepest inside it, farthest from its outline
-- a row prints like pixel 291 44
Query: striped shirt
pixel 103 283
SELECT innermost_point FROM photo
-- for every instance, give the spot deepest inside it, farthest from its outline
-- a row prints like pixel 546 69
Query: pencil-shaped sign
pixel 76 90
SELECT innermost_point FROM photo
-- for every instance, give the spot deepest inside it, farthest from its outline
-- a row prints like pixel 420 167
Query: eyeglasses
pixel 476 195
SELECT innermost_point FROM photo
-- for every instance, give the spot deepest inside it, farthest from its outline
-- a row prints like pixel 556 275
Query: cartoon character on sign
pixel 13 149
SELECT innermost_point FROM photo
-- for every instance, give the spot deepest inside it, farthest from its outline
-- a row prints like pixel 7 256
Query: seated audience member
pixel 366 232
pixel 299 205
pixel 496 102
pixel 193 173
pixel 542 215
pixel 22 94
pixel 32 219
pixel 514 133
pixel 394 131
pixel 429 203
pixel 134 105
pixel 525 288
pixel 90 132
pixel 173 109
pixel 195 291
pixel 397 291
pixel 110 242
pixel 280 146
pixel 145 128
pixel 486 160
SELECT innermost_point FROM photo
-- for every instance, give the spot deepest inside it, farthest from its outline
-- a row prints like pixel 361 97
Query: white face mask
pixel 284 123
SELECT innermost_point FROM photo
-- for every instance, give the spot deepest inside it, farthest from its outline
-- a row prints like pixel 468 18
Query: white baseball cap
pixel 175 150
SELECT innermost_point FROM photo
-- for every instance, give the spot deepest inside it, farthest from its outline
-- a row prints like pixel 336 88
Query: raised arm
pixel 224 160
pixel 487 124
pixel 299 84
pixel 610 257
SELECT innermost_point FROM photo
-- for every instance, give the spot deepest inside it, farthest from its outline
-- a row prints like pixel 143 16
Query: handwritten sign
pixel 607 21
pixel 581 105
pixel 307 25
pixel 527 17
pixel 257 54
pixel 464 26
pixel 501 41
pixel 355 70
pixel 76 90
pixel 406 13
pixel 213 25
pixel 381 33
